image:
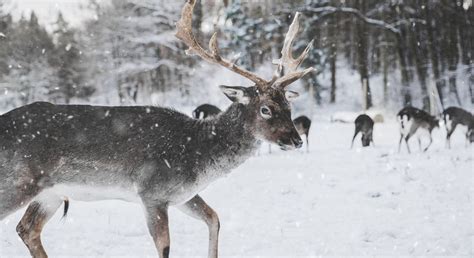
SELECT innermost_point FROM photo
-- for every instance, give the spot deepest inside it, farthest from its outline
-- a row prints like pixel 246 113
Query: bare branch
pixel 326 10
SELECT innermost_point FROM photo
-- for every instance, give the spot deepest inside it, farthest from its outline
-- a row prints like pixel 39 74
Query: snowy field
pixel 332 201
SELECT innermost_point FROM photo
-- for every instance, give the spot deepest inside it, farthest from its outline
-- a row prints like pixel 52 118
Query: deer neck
pixel 233 137
pixel 235 127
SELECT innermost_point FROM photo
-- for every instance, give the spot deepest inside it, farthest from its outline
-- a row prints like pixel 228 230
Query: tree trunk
pixel 471 84
pixel 433 52
pixel 333 74
pixel 420 57
pixel 333 59
pixel 363 63
pixel 453 58
pixel 401 51
pixel 384 56
pixel 404 72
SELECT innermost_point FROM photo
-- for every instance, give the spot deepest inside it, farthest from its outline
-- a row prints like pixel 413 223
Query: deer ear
pixel 236 93
pixel 291 95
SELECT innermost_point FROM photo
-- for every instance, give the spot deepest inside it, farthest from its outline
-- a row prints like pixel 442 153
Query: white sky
pixel 74 11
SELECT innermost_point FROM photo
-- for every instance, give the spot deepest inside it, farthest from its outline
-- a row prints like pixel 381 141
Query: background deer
pixel 154 156
pixel 302 124
pixel 454 116
pixel 411 119
pixel 365 125
pixel 205 110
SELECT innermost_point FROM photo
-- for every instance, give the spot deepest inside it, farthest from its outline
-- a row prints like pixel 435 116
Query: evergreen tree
pixel 66 60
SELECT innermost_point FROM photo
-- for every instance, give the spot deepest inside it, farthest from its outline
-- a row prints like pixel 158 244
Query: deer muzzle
pixel 290 143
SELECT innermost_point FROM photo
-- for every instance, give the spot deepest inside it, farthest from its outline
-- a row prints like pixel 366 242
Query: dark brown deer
pixel 365 125
pixel 205 110
pixel 454 116
pixel 154 156
pixel 411 119
pixel 303 124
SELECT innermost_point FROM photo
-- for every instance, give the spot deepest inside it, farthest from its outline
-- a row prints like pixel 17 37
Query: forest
pixel 374 177
pixel 396 52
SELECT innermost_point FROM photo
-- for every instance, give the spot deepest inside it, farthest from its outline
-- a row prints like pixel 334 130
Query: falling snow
pixel 331 201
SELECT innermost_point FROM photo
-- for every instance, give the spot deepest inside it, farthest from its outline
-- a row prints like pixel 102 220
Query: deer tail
pixel 66 207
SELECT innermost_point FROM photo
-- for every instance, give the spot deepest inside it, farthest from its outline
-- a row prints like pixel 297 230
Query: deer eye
pixel 265 112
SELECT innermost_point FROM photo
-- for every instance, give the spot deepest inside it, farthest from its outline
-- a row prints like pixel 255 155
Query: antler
pixel 286 72
pixel 185 34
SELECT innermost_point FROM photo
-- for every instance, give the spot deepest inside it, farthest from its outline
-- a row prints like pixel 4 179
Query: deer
pixel 302 124
pixel 411 119
pixel 205 110
pixel 454 116
pixel 154 156
pixel 365 125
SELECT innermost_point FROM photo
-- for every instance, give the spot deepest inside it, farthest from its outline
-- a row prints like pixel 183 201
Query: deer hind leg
pixel 198 209
pixel 429 144
pixel 307 142
pixel 11 203
pixel 157 221
pixel 40 210
pixel 14 194
pixel 450 131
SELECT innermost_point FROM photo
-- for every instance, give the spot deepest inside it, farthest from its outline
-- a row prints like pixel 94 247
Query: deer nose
pixel 297 142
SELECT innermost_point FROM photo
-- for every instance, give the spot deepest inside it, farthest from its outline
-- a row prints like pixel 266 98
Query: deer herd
pixel 156 156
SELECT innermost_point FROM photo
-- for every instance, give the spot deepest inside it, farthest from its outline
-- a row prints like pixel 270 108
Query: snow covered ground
pixel 332 201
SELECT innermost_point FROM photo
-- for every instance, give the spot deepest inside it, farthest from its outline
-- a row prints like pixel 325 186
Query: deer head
pixel 268 101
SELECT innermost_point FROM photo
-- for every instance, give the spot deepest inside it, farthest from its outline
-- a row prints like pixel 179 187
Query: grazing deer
pixel 205 110
pixel 302 124
pixel 411 119
pixel 154 156
pixel 365 125
pixel 454 116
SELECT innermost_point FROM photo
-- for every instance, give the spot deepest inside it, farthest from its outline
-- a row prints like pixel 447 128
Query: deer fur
pixel 364 125
pixel 454 116
pixel 411 119
pixel 155 156
pixel 205 110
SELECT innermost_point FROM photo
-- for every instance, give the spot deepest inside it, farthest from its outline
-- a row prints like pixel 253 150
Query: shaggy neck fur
pixel 229 137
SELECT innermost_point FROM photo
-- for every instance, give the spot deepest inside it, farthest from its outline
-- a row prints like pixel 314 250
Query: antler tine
pixel 286 72
pixel 185 34
pixel 291 77
pixel 287 63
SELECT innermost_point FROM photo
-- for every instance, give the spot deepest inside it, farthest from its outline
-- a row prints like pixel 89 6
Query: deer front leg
pixel 198 209
pixel 36 216
pixel 307 143
pixel 353 138
pixel 400 143
pixel 406 143
pixel 468 140
pixel 429 144
pixel 157 221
